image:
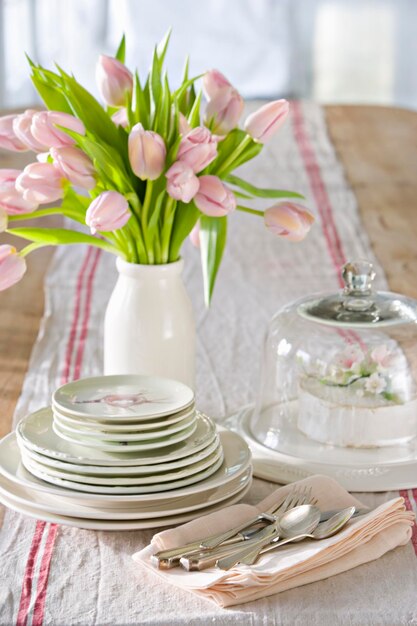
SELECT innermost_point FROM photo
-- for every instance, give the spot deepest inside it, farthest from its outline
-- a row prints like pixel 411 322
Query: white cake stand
pixel 295 456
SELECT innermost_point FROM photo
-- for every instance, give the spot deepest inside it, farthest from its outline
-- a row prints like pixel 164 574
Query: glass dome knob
pixel 358 277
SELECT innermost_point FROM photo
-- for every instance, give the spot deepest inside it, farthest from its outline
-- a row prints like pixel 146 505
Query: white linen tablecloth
pixel 65 576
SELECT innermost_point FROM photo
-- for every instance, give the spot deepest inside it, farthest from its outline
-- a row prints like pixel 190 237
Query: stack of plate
pixel 121 452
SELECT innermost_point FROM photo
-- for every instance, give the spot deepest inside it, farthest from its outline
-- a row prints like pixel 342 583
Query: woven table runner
pixel 58 575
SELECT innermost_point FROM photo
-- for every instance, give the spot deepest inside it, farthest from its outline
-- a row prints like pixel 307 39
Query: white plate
pixel 123 397
pixel 120 481
pixel 237 460
pixel 36 433
pixel 96 524
pixel 128 446
pixel 97 470
pixel 61 506
pixel 137 436
pixel 39 472
pixel 357 469
pixel 120 427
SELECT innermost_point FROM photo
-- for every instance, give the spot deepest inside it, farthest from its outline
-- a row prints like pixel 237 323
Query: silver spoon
pixel 288 531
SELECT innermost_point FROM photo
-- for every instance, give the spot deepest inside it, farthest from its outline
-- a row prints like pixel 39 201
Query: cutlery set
pixel 296 518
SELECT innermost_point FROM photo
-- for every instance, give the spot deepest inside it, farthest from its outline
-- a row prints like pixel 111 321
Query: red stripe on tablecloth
pixel 39 607
pixel 318 188
pixel 404 494
pixel 38 610
pixel 87 311
pixel 26 594
pixel 28 575
pixel 73 331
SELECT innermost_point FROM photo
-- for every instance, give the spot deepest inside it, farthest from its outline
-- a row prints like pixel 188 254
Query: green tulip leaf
pixel 213 232
pixel 186 217
pixel 60 236
pixel 121 50
pixel 261 192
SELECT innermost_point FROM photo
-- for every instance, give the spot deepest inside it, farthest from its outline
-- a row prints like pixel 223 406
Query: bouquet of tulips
pixel 143 172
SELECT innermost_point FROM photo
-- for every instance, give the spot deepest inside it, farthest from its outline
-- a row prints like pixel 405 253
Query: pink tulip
pixel 224 110
pixel 108 212
pixel 184 125
pixel 197 149
pixel 41 183
pixel 195 235
pixel 262 124
pixel 182 183
pixel 289 220
pixel 214 198
pixel 45 129
pixel 120 118
pixel 213 82
pixel 8 138
pixel 11 200
pixel 113 80
pixel 74 165
pixel 12 266
pixel 22 126
pixel 147 153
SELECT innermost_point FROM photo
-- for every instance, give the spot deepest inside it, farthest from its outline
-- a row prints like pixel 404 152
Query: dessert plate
pixel 120 427
pixel 297 456
pixel 129 446
pixel 120 481
pixel 123 397
pixel 125 510
pixel 98 470
pixel 137 436
pixel 36 433
pixel 237 459
pixel 115 525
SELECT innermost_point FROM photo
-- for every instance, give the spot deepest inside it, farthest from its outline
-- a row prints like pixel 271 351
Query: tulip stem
pixel 30 248
pixel 145 212
pixel 247 209
pixel 36 214
pixel 169 217
pixel 228 163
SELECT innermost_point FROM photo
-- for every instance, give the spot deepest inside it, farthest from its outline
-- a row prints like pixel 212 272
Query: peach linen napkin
pixel 364 539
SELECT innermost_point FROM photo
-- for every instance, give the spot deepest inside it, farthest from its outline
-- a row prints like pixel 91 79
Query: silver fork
pixel 166 559
pixel 294 498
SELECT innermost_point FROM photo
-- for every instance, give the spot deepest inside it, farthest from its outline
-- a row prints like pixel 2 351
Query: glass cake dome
pixel 341 368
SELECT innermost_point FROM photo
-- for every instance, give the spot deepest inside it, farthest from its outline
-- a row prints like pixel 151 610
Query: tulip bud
pixel 223 111
pixel 214 198
pixel 213 82
pixel 197 149
pixel 40 183
pixel 8 138
pixel 74 165
pixel 147 153
pixel 44 128
pixel 289 220
pixel 22 126
pixel 120 117
pixel 195 235
pixel 262 124
pixel 182 183
pixel 11 200
pixel 108 212
pixel 12 266
pixel 113 80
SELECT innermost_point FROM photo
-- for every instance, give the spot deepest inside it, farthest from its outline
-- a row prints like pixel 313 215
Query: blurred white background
pixel 329 50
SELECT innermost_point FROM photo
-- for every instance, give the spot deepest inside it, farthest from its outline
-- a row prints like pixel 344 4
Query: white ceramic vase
pixel 149 324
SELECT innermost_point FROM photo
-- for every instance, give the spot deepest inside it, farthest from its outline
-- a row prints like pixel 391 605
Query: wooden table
pixel 378 148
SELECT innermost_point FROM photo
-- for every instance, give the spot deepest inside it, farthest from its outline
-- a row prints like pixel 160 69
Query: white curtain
pixel 331 50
